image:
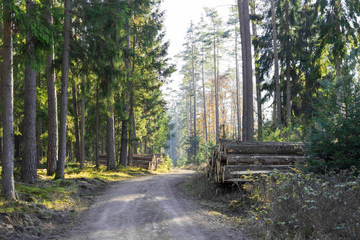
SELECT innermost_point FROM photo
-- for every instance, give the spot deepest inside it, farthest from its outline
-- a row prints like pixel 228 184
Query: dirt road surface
pixel 150 207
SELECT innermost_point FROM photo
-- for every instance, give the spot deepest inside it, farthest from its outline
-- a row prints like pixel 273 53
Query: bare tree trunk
pixel 97 131
pixel 248 115
pixel 257 81
pixel 238 110
pixel 64 93
pixel 8 189
pixel 338 82
pixel 82 123
pixel 132 128
pixel 110 143
pixel 216 81
pixel 288 56
pixel 76 123
pixel 39 149
pixel 52 106
pixel 194 88
pixel 124 127
pixel 29 165
pixel 204 97
pixel 276 66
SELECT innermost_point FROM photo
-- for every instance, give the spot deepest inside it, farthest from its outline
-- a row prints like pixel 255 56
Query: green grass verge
pixel 74 194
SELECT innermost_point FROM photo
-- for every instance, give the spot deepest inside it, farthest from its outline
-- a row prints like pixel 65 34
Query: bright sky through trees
pixel 178 16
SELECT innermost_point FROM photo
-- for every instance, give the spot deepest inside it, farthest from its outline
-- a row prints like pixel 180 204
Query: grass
pixel 69 195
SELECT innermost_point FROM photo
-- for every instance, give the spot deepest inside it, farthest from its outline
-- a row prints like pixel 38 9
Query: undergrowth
pixel 306 206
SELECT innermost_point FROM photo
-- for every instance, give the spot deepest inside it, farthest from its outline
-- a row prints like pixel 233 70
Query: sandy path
pixel 149 207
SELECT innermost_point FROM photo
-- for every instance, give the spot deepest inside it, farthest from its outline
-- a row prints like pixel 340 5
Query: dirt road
pixel 149 207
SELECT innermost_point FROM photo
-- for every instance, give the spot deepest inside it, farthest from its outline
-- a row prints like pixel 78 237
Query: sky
pixel 179 14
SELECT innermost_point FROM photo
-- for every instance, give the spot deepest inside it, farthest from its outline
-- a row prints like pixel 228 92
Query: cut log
pixel 141 162
pixel 264 148
pixel 243 174
pixel 264 159
pixel 235 168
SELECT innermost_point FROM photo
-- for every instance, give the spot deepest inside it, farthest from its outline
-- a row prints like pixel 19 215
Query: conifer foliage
pixel 113 56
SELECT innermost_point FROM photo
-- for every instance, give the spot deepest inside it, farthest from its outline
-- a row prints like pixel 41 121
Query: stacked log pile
pixel 147 161
pixel 234 161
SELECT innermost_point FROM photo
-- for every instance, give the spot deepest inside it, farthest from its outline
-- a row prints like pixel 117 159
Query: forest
pixel 304 81
pixel 80 79
pixel 83 80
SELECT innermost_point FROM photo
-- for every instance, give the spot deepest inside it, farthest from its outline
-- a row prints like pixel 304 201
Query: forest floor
pixel 149 207
pixel 39 208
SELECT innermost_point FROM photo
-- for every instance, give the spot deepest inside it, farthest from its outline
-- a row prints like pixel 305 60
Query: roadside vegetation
pixel 40 206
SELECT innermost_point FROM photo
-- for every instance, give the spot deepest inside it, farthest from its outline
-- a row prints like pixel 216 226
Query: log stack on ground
pixel 233 161
pixel 147 161
pixel 102 159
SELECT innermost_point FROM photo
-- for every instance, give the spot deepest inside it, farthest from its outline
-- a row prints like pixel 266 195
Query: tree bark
pixel 288 60
pixel 82 123
pixel 216 81
pixel 110 136
pixel 257 82
pixel 203 90
pixel 194 87
pixel 76 123
pixel 52 106
pixel 124 127
pixel 8 189
pixel 276 67
pixel 64 93
pixel 248 115
pixel 97 131
pixel 238 110
pixel 29 165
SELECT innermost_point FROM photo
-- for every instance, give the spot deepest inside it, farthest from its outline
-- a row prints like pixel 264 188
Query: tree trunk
pixel 248 115
pixel 238 110
pixel 64 94
pixel 338 82
pixel 194 88
pixel 97 130
pixel 76 123
pixel 276 67
pixel 39 149
pixel 29 165
pixel 8 189
pixel 124 127
pixel 204 97
pixel 288 60
pixel 82 123
pixel 132 128
pixel 216 81
pixel 257 81
pixel 110 130
pixel 52 106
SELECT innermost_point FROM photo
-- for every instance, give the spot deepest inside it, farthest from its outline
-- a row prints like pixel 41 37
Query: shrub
pixel 308 206
pixel 335 137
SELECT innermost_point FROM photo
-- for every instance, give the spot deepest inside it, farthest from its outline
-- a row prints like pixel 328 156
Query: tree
pixel 8 189
pixel 29 166
pixel 248 115
pixel 64 93
pixel 276 67
pixel 52 103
